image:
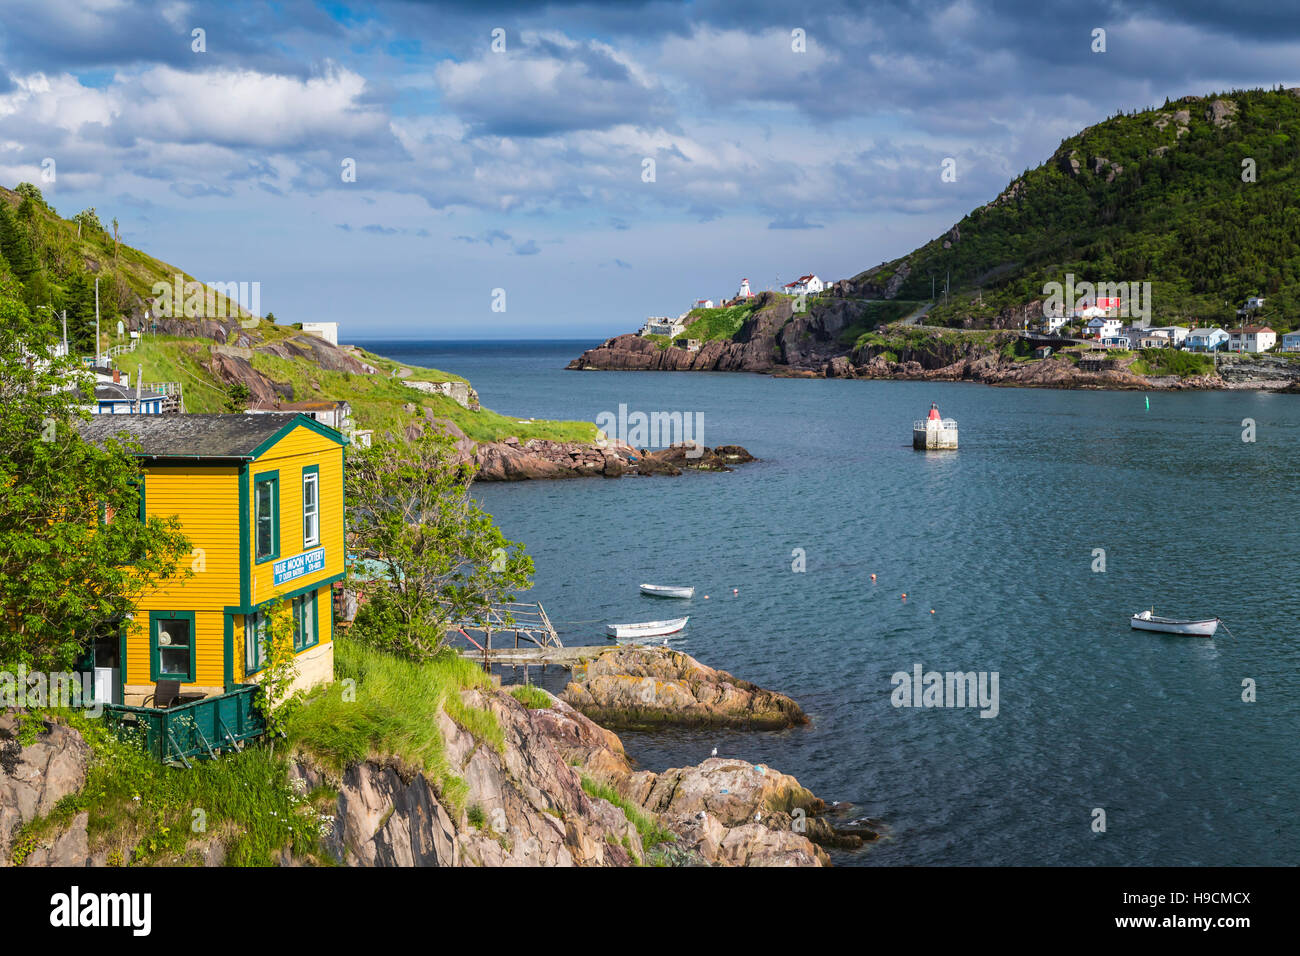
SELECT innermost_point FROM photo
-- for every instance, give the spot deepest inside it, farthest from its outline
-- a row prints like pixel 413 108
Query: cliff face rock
pixel 529 803
pixel 524 804
pixel 35 778
pixel 773 336
pixel 535 811
pixel 1258 371
pixel 637 687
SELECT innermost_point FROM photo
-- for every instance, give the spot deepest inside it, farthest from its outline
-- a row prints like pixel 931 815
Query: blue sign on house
pixel 308 562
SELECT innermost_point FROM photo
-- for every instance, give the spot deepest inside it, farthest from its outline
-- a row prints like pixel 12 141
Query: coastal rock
pixel 738 811
pixel 635 687
pixel 34 778
pixel 524 803
pixel 539 458
pixel 774 336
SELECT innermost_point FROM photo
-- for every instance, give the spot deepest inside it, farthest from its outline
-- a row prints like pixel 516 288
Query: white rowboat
pixel 1146 621
pixel 665 590
pixel 646 628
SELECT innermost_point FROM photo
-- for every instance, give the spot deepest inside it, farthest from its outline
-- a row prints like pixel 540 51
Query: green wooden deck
pixel 201 729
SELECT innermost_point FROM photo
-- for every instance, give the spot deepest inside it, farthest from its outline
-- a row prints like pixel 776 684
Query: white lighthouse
pixel 744 292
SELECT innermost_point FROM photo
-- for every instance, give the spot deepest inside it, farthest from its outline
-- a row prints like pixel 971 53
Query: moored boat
pixel 1201 627
pixel 666 590
pixel 646 628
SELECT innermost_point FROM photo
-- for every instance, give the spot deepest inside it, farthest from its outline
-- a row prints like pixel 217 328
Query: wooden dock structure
pixel 566 657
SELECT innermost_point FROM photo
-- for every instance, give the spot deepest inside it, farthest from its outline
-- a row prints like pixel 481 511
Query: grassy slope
pixel 1183 220
pixel 376 400
pixel 141 812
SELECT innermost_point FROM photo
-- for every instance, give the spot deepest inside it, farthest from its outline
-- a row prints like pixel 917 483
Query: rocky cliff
pixel 631 687
pixel 559 792
pixel 774 336
pixel 920 353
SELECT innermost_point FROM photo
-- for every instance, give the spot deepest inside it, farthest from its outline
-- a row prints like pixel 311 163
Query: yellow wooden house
pixel 260 498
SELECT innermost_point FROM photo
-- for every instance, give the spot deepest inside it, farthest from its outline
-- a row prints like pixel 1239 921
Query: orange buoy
pixel 873 577
pixel 904 596
pixel 735 590
pixel 931 610
pixel 706 597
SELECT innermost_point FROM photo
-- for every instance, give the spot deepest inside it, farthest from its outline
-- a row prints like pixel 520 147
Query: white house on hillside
pixel 1251 338
pixel 329 331
pixel 1103 327
pixel 804 284
pixel 1053 323
pixel 1206 340
pixel 1177 334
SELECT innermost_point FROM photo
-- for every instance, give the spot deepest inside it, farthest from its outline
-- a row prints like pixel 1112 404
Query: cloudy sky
pixel 509 145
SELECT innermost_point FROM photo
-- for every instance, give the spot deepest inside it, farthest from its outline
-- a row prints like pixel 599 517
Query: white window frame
pixel 311 517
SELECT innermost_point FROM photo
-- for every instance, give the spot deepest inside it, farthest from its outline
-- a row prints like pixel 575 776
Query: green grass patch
pixel 710 324
pixel 394 710
pixel 534 698
pixel 143 812
pixel 1172 362
pixel 651 831
pixel 378 401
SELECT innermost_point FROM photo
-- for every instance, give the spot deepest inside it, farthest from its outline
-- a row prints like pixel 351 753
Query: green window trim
pixel 272 480
pixel 311 475
pixel 156 672
pixel 254 635
pixel 306 622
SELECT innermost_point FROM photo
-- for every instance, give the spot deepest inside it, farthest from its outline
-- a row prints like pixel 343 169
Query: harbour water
pixel 1004 541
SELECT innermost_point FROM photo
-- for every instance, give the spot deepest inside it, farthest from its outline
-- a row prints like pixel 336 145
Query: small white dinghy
pixel 666 590
pixel 1147 621
pixel 646 629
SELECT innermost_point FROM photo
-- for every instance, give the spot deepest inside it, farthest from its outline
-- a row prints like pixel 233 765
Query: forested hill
pixel 55 262
pixel 1200 197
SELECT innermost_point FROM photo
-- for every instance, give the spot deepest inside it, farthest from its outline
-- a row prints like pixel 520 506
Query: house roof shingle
pixel 192 436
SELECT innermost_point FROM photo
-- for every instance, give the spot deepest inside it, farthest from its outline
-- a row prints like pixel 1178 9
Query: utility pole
pixel 97 323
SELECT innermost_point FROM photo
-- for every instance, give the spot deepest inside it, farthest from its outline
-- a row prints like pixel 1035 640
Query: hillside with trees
pixel 1197 197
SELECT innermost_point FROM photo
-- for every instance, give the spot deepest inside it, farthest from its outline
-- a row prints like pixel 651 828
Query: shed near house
pixel 113 399
pixel 261 499
pixel 337 414
pixel 1043 351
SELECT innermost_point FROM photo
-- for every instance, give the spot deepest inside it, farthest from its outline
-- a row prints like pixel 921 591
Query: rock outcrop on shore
pixel 513 460
pixel 822 343
pixel 632 687
pixel 539 799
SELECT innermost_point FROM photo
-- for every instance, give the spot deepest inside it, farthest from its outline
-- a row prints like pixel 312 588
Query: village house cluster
pixel 1102 320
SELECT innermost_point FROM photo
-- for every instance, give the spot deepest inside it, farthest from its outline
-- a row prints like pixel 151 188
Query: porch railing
pixel 201 729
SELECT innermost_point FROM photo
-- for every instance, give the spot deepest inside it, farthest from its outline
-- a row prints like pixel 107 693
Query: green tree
pixel 431 555
pixel 279 669
pixel 32 192
pixel 74 554
pixel 16 245
pixel 79 300
pixel 88 218
pixel 237 397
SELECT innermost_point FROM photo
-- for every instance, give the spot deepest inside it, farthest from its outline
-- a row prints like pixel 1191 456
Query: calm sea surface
pixel 999 540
